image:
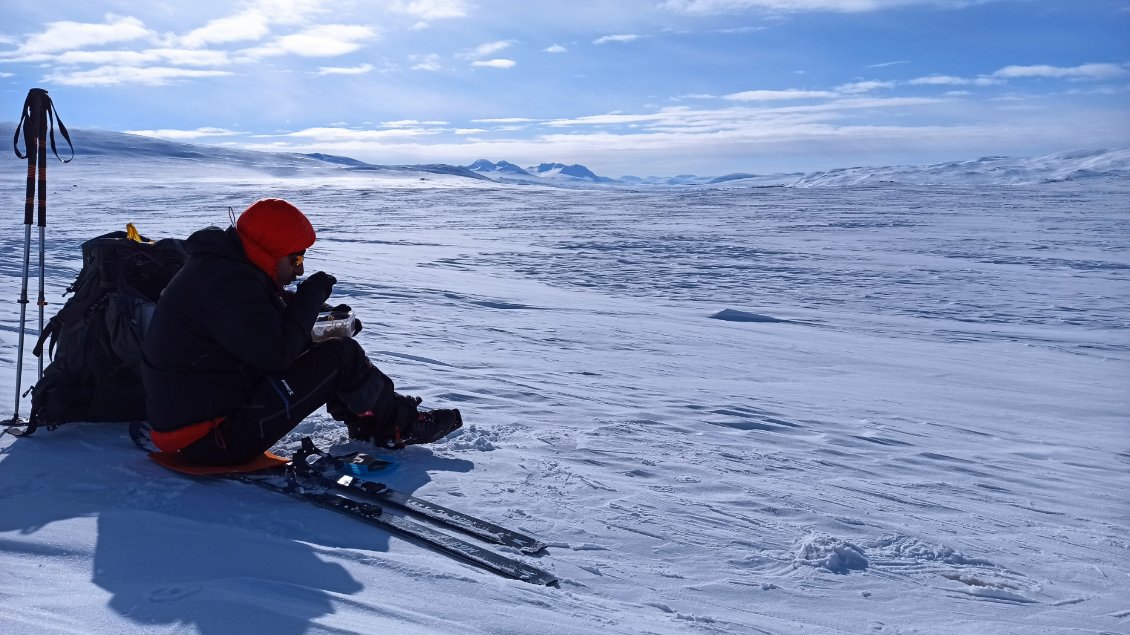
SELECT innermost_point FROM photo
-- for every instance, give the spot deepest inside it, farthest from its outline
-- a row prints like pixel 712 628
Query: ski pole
pixel 38 112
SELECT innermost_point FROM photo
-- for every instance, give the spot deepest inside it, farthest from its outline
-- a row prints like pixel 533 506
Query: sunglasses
pixel 296 259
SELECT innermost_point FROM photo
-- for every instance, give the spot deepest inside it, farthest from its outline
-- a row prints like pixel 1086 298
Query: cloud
pixel 328 40
pixel 66 36
pixel 247 25
pixel 329 135
pixel 429 62
pixel 431 9
pixel 499 63
pixel 863 87
pixel 122 75
pixel 719 7
pixel 253 22
pixel 940 80
pixel 411 123
pixel 198 133
pixel 184 57
pixel 886 64
pixel 710 140
pixel 615 38
pixel 778 95
pixel 484 50
pixel 949 80
pixel 556 48
pixel 293 12
pixel 1082 72
pixel 506 120
pixel 345 70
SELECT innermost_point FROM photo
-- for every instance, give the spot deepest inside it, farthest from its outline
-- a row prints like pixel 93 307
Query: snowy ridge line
pixel 1073 165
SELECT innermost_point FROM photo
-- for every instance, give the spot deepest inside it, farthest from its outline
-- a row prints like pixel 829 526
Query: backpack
pixel 95 339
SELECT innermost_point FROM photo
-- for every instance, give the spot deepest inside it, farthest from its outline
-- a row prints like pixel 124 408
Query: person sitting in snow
pixel 229 365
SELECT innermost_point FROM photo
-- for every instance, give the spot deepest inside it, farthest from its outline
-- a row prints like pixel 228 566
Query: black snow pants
pixel 334 370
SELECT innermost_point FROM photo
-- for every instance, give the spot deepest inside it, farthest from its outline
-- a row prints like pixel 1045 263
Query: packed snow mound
pixel 731 315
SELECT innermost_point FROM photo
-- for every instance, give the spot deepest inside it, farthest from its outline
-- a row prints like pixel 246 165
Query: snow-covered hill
pixel 1064 166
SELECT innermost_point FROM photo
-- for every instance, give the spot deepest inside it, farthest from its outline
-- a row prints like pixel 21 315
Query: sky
pixel 631 87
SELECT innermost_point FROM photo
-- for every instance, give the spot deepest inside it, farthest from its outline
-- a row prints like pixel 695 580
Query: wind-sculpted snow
pixel 726 409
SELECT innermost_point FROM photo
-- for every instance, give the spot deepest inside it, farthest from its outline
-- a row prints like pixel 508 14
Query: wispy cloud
pixel 863 87
pixel 249 25
pixel 346 70
pixel 430 62
pixel 778 95
pixel 888 64
pixel 496 63
pixel 122 75
pixel 332 135
pixel 556 48
pixel 1082 72
pixel 198 133
pixel 721 7
pixel 67 36
pixel 940 80
pixel 184 57
pixel 327 40
pixel 506 120
pixel 484 50
pixel 411 123
pixel 628 37
pixel 431 9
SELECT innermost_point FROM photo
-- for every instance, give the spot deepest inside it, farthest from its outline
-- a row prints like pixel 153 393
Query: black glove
pixel 319 283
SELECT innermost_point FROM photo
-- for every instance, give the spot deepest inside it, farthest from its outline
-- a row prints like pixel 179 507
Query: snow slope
pixel 728 410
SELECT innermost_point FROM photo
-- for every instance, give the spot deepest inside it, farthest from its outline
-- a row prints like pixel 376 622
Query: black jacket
pixel 219 328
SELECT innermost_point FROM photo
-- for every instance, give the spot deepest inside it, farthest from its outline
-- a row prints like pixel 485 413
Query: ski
pixel 477 527
pixel 330 475
pixel 373 514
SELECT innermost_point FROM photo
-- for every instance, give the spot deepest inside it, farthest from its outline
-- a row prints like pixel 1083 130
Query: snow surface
pixel 851 409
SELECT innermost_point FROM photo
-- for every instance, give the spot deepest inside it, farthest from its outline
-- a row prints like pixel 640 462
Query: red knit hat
pixel 272 228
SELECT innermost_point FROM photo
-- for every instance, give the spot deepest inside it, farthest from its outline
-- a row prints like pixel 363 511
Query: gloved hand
pixel 345 309
pixel 319 283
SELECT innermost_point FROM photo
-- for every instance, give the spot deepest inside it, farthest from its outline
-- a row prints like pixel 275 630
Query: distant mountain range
pixel 507 171
pixel 1064 166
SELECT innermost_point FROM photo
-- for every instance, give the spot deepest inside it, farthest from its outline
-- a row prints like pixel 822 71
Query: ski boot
pixel 406 426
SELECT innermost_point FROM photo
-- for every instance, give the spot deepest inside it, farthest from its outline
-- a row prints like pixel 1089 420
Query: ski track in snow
pixel 914 418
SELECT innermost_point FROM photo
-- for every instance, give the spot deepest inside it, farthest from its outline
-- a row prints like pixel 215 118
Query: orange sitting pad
pixel 173 461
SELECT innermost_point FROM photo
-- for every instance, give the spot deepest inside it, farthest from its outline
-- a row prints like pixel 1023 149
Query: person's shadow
pixel 172 549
